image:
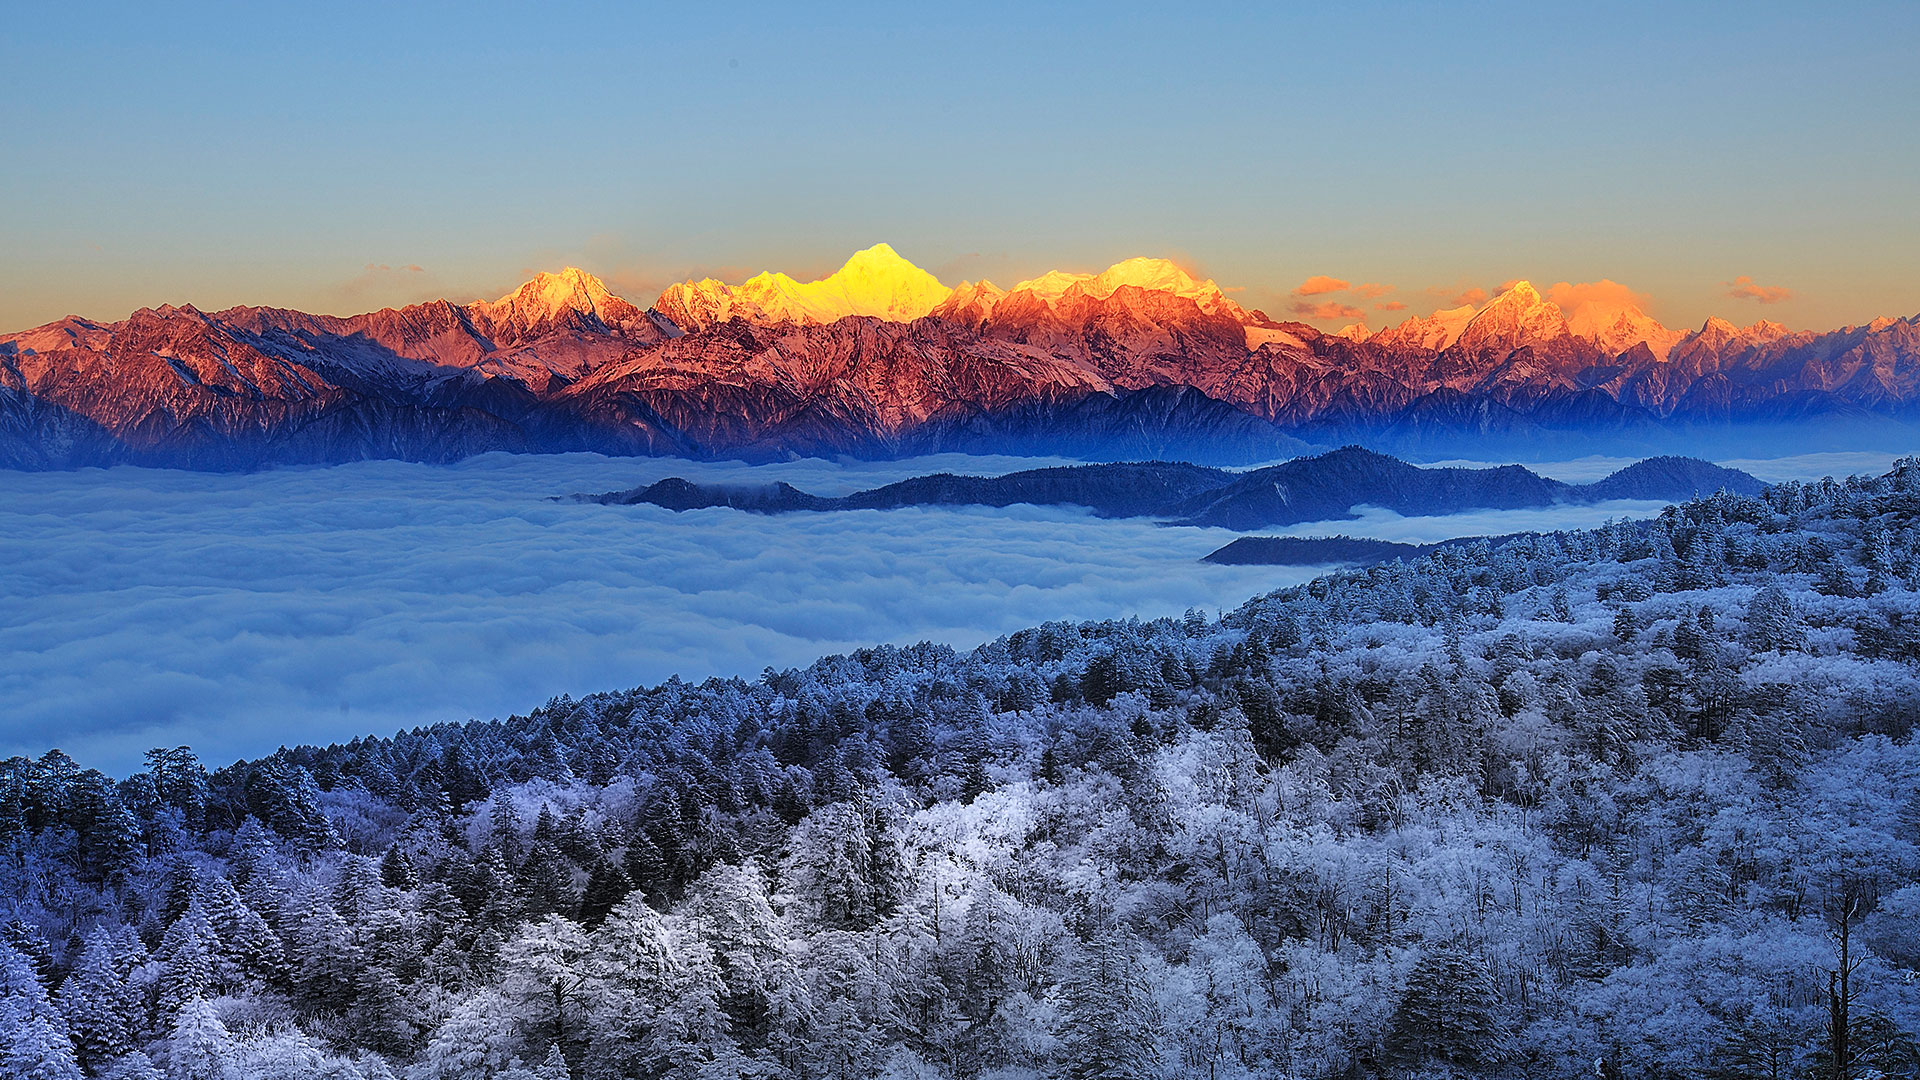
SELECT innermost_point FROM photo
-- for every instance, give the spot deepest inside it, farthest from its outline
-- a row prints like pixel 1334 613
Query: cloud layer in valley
pixel 141 608
pixel 146 607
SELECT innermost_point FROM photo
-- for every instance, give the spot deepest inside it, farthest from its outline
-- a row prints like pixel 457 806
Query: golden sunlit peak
pixel 1154 275
pixel 568 280
pixel 875 281
pixel 881 254
pixel 1521 292
pixel 546 294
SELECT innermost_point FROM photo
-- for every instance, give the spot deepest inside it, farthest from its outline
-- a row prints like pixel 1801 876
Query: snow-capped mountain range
pixel 881 358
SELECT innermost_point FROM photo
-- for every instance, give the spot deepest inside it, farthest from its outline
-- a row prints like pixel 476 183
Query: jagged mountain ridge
pixel 880 359
pixel 1325 487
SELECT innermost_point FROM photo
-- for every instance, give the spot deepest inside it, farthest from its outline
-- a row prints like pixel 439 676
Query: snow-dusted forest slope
pixel 1644 794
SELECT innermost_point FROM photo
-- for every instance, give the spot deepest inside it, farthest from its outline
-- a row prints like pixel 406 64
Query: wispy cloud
pixel 1456 296
pixel 1327 309
pixel 1745 288
pixel 386 283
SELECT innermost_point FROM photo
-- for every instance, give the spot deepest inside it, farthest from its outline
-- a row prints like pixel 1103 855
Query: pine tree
pixel 35 1047
pixel 180 781
pixel 380 1015
pixel 98 1003
pixel 200 1047
pixel 178 887
pixel 396 869
pixel 460 781
pixel 730 908
pixel 1625 626
pixel 477 1041
pixel 247 943
pixel 1770 621
pixel 322 956
pixel 645 866
pixel 1448 1013
pixel 828 866
pixel 607 885
pixel 187 956
pixel 554 1067
pixel 34 1043
pixel 286 797
pixel 1562 607
pixel 360 891
pixel 543 979
pixel 504 829
pixel 253 848
pixel 546 880
pixel 110 843
pixel 1107 1026
pixel 691 1036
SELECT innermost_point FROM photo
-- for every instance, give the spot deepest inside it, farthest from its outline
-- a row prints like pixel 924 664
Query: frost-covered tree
pixel 1449 1014
pixel 200 1047
pixel 102 1007
pixel 1771 623
pixel 1108 1029
pixel 477 1042
pixel 544 980
pixel 1408 819
pixel 34 1041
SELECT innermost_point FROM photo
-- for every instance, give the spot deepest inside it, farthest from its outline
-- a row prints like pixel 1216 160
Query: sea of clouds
pixel 237 613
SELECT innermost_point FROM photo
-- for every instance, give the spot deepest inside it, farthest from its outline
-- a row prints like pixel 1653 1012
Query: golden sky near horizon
pixel 1366 163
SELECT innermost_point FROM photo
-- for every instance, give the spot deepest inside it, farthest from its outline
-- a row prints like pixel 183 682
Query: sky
pixel 1750 160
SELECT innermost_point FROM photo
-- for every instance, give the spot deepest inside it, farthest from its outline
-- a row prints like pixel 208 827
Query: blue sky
pixel 276 154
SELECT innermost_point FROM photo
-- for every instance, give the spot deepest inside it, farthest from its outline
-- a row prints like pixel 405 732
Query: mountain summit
pixel 875 282
pixel 1152 275
pixel 570 299
pixel 550 296
pixel 878 282
pixel 1518 317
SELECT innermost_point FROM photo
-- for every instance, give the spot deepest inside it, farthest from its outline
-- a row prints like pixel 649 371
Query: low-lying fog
pixel 144 607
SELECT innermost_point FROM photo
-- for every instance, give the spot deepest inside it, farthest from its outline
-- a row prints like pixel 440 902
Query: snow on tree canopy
pixel 1646 795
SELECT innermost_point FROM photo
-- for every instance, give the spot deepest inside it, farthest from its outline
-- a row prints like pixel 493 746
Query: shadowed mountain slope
pixel 1327 487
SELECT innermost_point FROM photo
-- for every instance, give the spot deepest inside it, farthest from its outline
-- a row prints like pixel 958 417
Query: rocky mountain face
pixel 881 359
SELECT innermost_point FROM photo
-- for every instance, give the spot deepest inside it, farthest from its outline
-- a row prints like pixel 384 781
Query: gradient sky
pixel 344 157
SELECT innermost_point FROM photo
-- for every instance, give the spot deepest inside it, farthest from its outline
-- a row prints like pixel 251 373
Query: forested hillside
pixel 1645 794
